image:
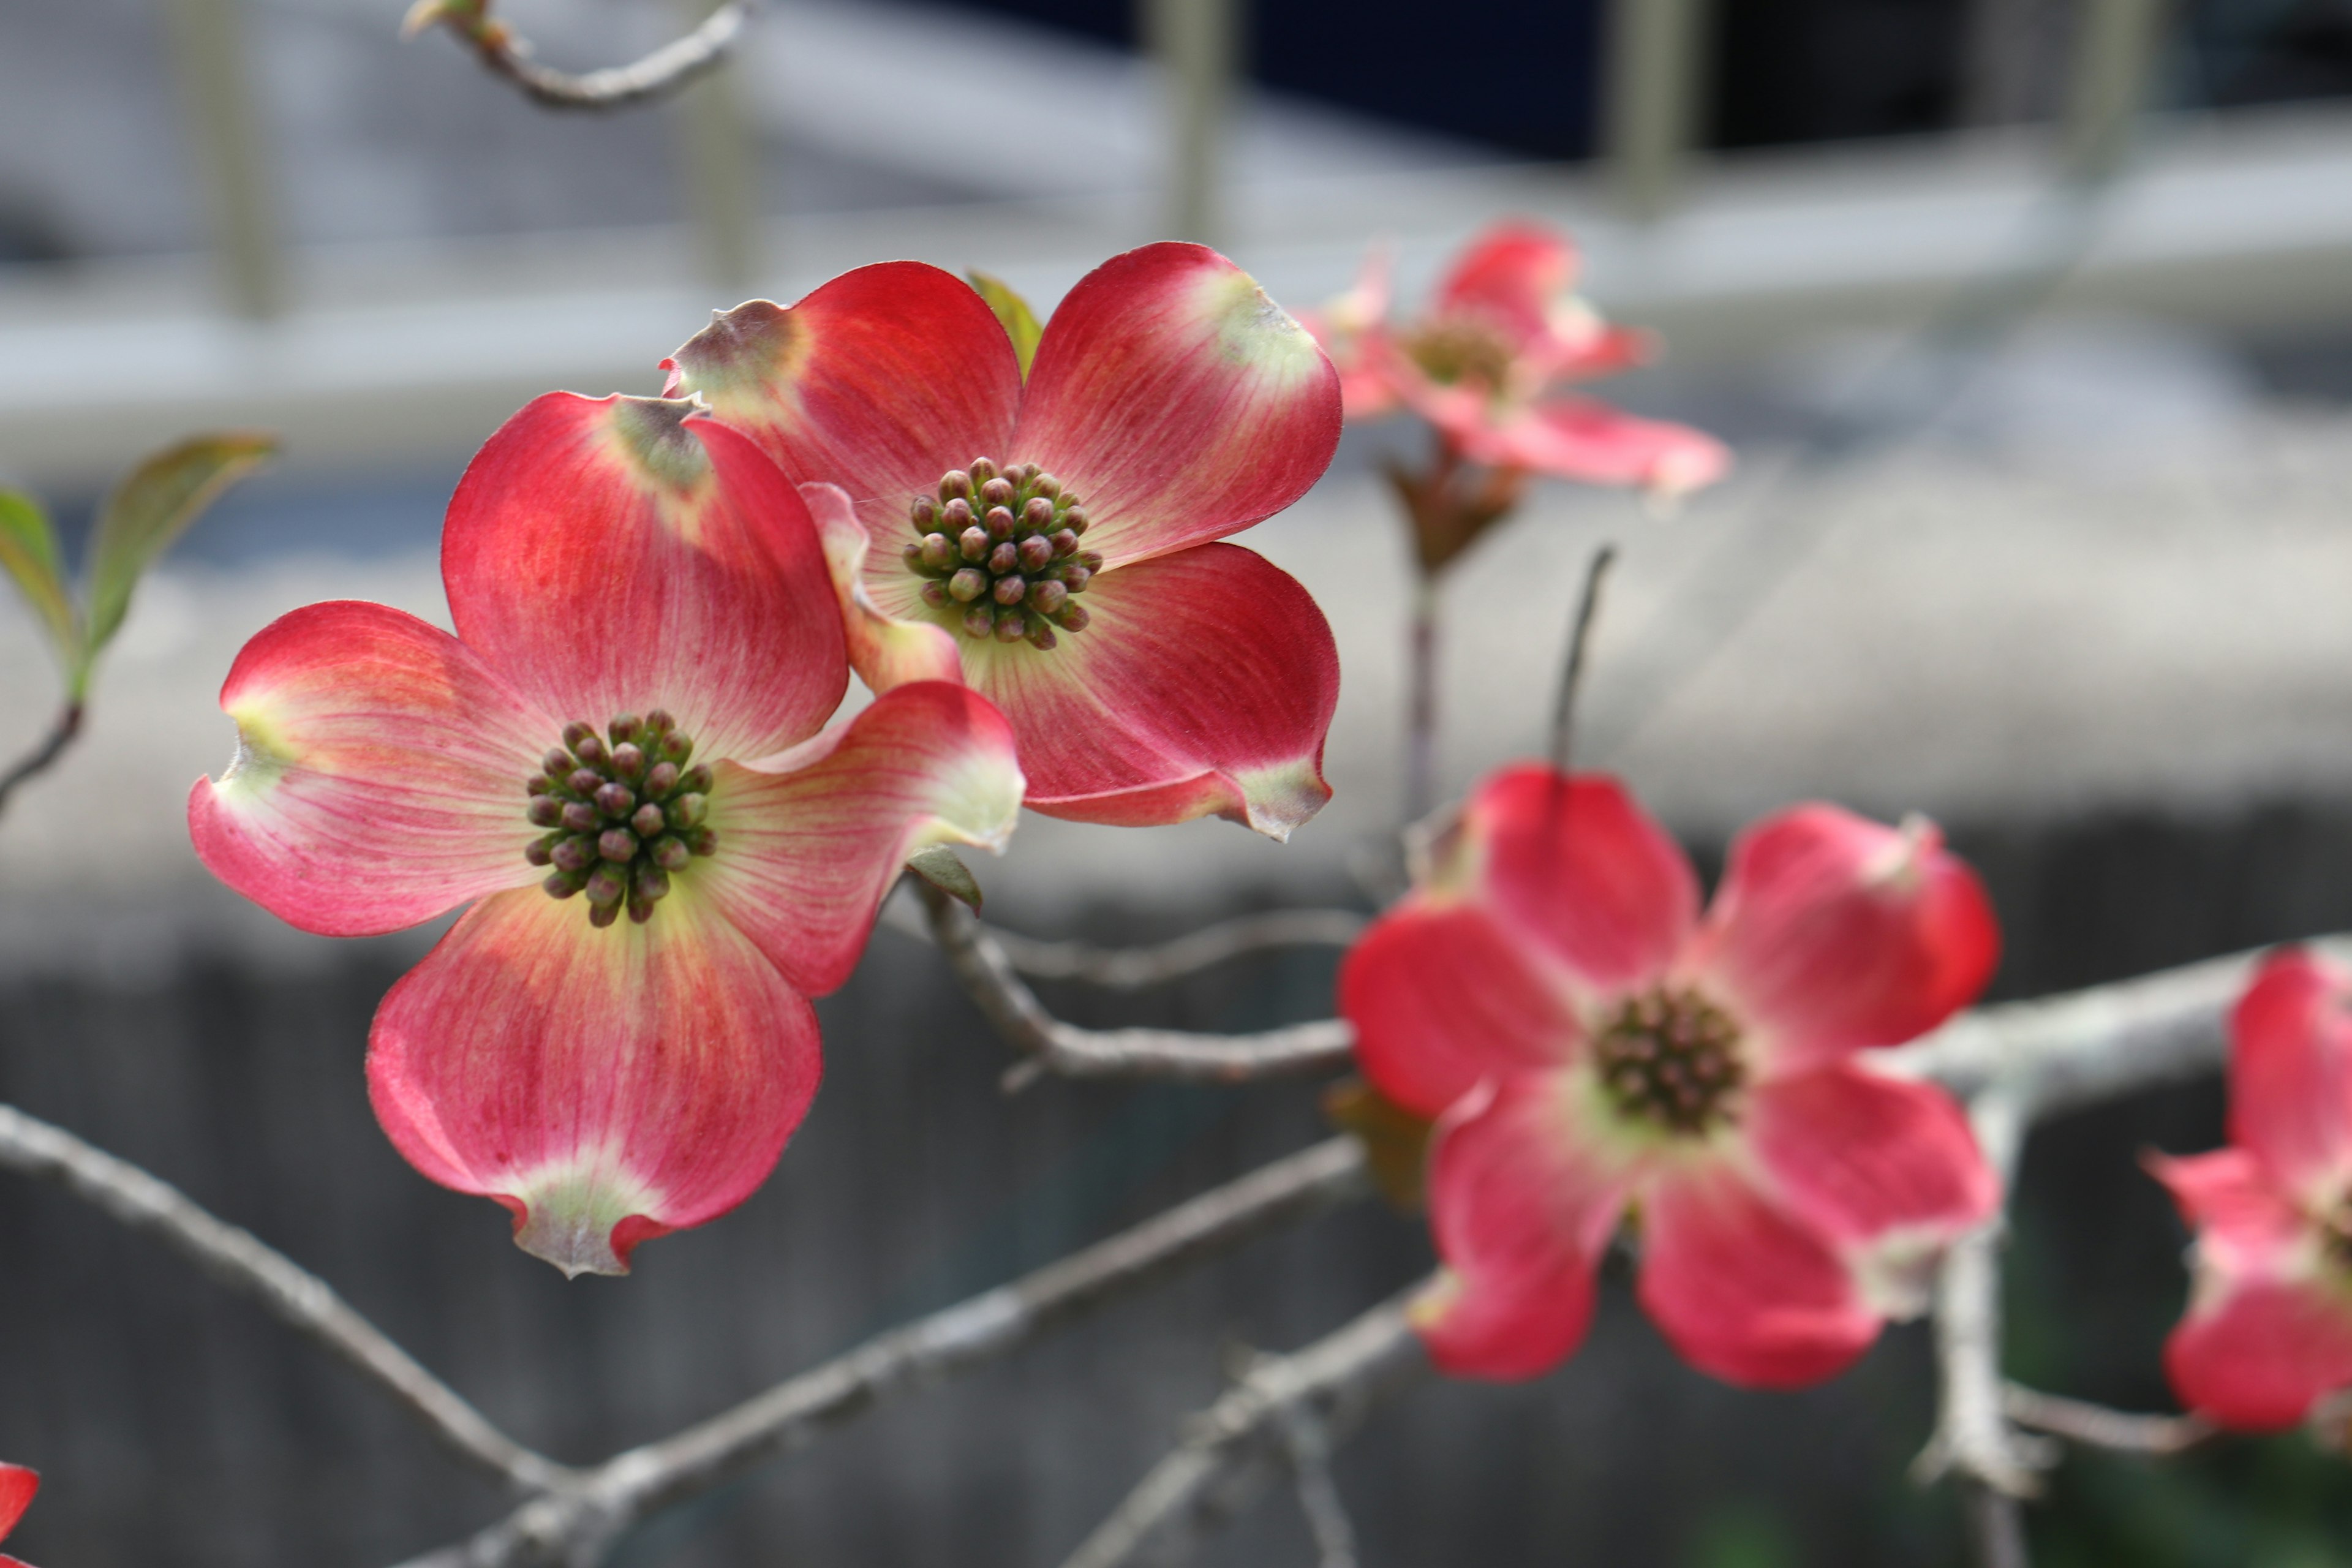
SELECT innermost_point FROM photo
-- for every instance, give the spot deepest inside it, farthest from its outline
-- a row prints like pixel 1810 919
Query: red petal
pixel 2263 1351
pixel 17 1486
pixel 1586 440
pixel 807 854
pixel 2244 1223
pixel 2290 1073
pixel 1177 401
pixel 879 382
pixel 379 773
pixel 615 556
pixel 1521 1207
pixel 1441 999
pixel 1740 1289
pixel 606 1086
pixel 1352 328
pixel 1508 277
pixel 1831 933
pixel 885 650
pixel 1203 684
pixel 1886 1170
pixel 1582 872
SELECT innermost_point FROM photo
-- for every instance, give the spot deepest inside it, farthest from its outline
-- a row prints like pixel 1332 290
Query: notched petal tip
pixel 741 349
pixel 652 432
pixel 582 1219
pixel 1277 801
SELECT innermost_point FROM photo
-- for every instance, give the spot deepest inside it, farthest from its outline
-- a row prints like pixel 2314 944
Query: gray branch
pixel 1232 1448
pixel 1157 963
pixel 658 74
pixel 300 1299
pixel 1049 1045
pixel 577 1525
pixel 2096 1427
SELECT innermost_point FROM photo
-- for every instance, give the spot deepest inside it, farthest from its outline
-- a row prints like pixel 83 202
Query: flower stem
pixel 41 758
pixel 1421 711
pixel 1572 679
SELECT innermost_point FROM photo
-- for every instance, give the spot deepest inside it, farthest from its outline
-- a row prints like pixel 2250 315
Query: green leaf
pixel 1020 321
pixel 28 549
pixel 939 866
pixel 151 509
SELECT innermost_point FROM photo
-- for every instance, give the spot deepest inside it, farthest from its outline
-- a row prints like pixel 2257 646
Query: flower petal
pixel 1203 684
pixel 1743 1292
pixel 1177 401
pixel 883 650
pixel 1352 328
pixel 616 557
pixel 1577 870
pixel 17 1486
pixel 2290 1073
pixel 379 773
pixel 1885 1170
pixel 606 1086
pixel 1441 999
pixel 1509 277
pixel 879 382
pixel 1587 441
pixel 1831 933
pixel 2261 1352
pixel 2244 1224
pixel 1521 1209
pixel 807 852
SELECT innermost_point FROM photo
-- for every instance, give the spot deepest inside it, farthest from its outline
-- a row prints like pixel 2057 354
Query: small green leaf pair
pixel 147 512
pixel 1020 322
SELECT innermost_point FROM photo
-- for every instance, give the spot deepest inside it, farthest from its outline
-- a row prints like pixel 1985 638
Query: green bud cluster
pixel 624 810
pixel 1671 1057
pixel 998 548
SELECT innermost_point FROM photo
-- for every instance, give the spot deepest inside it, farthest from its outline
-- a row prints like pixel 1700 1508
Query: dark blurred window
pixel 1830 71
pixel 2268 51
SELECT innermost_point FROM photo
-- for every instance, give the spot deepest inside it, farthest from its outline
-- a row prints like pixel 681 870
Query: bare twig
pixel 1051 1045
pixel 2096 1427
pixel 1157 963
pixel 1229 1449
pixel 507 54
pixel 1307 1444
pixel 304 1302
pixel 1580 642
pixel 41 758
pixel 576 1524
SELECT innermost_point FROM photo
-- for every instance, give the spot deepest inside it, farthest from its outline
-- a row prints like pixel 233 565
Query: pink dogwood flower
pixel 627 723
pixel 1054 541
pixel 1590 1044
pixel 17 1486
pixel 2268 1333
pixel 1488 360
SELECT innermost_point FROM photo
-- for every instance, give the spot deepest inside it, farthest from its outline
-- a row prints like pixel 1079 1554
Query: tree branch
pixel 303 1301
pixel 1157 963
pixel 2096 1427
pixel 576 1525
pixel 1229 1449
pixel 507 54
pixel 1052 1045
pixel 41 758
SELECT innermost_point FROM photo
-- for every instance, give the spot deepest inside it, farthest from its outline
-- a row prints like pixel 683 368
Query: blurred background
pixel 2031 322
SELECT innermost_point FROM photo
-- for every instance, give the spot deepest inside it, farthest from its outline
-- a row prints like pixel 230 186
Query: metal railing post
pixel 208 46
pixel 1655 64
pixel 1198 46
pixel 2114 62
pixel 720 147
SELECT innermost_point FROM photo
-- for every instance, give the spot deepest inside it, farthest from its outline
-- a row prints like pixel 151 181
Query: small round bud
pixel 671 853
pixel 912 554
pixel 702 841
pixel 584 780
pixel 557 762
pixel 629 760
pixel 938 551
pixel 958 515
pixel 616 800
pixel 590 749
pixel 1034 552
pixel 641 908
pixel 580 817
pixel 924 513
pixel 1038 514
pixel 1000 522
pixel 545 811
pixel 998 492
pixel 954 485
pixel 617 844
pixel 661 778
pixel 574 734
pixel 541 851
pixel 935 596
pixel 1047 596
pixel 1075 519
pixel 1005 558
pixel 982 470
pixel 1010 590
pixel 1076 578
pixel 574 853
pixel 686 811
pixel 624 728
pixel 1040 635
pixel 696 780
pixel 1071 618
pixel 538 784
pixel 978 621
pixel 1066 544
pixel 652 884
pixel 1046 485
pixel 1091 560
pixel 560 886
pixel 975 543
pixel 605 885
pixel 659 723
pixel 968 585
pixel 1011 627
pixel 602 915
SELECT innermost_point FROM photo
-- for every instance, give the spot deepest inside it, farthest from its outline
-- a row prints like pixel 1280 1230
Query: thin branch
pixel 1229 1449
pixel 508 54
pixel 300 1299
pixel 576 1525
pixel 1051 1045
pixel 1307 1444
pixel 41 758
pixel 1157 964
pixel 1580 641
pixel 2096 1427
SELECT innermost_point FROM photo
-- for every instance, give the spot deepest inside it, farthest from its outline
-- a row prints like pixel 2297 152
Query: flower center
pixel 999 550
pixel 1671 1058
pixel 1458 351
pixel 622 815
